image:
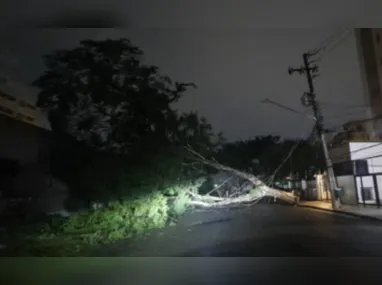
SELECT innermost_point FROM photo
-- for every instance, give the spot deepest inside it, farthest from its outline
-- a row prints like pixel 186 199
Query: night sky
pixel 236 54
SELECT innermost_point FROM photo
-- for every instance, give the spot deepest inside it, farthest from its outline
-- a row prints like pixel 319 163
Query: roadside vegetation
pixel 119 143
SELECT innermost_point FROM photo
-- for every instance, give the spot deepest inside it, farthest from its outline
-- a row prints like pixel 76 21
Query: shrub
pixel 120 219
pixel 84 231
pixel 180 204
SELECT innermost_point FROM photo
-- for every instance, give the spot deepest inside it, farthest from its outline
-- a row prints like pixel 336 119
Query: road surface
pixel 259 231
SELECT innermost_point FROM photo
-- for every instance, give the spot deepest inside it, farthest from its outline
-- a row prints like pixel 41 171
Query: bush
pixel 180 199
pixel 84 231
pixel 180 204
pixel 120 219
pixel 137 193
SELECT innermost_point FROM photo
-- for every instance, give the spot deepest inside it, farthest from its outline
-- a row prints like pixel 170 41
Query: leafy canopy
pixel 121 110
pixel 102 93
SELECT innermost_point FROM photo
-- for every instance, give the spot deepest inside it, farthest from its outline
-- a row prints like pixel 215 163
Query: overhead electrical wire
pixel 347 33
pixel 369 157
pixel 326 47
pixel 325 50
pixel 344 115
pixel 363 119
pixel 290 153
pixel 327 41
pixel 340 105
pixel 347 113
pixel 357 150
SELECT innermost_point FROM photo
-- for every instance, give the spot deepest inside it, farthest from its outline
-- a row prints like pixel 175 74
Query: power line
pixel 290 153
pixel 305 114
pixel 343 105
pixel 346 114
pixel 347 34
pixel 367 147
pixel 369 157
pixel 342 130
pixel 327 51
pixel 327 41
pixel 343 115
pixel 357 150
pixel 363 120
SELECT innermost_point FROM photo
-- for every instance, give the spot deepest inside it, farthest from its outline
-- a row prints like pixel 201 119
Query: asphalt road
pixel 261 231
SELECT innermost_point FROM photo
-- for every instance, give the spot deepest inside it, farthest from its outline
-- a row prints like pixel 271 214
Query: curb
pixel 344 213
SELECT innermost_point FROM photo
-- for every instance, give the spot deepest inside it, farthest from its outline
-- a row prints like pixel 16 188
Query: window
pixel 367 193
pixel 361 167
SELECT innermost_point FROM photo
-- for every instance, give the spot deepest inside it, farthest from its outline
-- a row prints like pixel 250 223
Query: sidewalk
pixel 370 211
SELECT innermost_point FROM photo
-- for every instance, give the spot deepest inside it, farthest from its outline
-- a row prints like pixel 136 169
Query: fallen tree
pixel 260 189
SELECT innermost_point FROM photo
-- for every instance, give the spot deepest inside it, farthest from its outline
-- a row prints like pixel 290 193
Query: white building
pixel 358 165
pixel 368 172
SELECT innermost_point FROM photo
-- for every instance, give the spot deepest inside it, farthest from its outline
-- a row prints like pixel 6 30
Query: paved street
pixel 261 230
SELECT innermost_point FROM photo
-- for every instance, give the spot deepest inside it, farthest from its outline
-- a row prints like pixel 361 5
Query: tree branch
pixel 262 189
pixel 253 179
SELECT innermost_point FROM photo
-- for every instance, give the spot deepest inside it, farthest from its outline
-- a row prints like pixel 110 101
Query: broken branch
pixel 262 189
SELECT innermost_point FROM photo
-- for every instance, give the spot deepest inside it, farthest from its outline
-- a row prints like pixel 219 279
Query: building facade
pixel 369 48
pixel 24 135
pixel 358 169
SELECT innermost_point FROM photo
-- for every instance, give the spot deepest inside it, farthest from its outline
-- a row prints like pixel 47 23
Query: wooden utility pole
pixel 309 100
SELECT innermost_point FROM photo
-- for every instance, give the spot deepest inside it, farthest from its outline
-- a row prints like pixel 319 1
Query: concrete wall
pixel 349 196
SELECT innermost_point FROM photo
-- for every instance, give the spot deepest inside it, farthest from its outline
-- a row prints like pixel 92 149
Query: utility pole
pixel 309 100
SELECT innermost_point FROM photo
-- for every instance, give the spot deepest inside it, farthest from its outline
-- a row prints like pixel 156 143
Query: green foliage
pixel 120 219
pixel 179 198
pixel 116 139
pixel 128 137
pixel 101 93
pixel 85 231
pixel 181 204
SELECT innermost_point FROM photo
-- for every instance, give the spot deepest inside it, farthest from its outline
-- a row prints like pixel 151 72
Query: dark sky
pixel 234 53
